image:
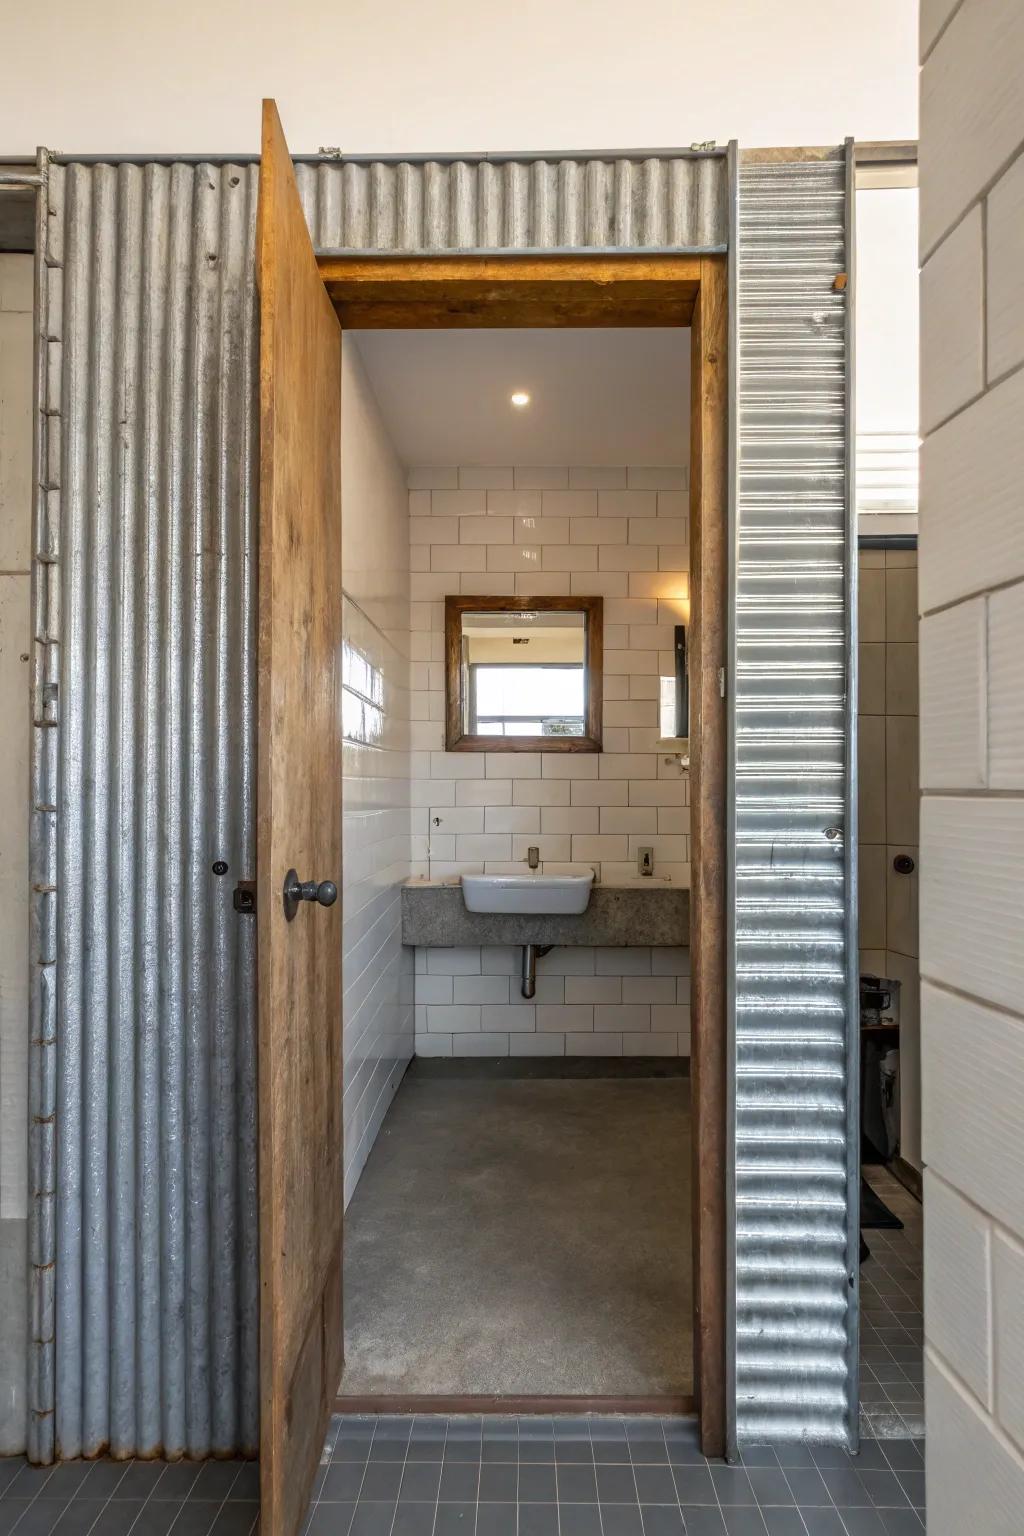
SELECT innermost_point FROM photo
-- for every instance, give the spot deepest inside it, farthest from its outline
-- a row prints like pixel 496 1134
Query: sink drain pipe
pixel 531 954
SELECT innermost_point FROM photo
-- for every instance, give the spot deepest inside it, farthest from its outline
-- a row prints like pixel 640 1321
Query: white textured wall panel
pixel 972 110
pixel 1008 1333
pixel 972 475
pixel 972 896
pixel 952 370
pixel 973 1076
pixel 1005 697
pixel 953 706
pixel 1005 274
pixel 956 1285
pixel 975 1479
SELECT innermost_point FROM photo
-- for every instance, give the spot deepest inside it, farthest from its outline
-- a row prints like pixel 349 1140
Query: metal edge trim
pixel 850 823
pixel 39 1429
pixel 443 157
pixel 731 1446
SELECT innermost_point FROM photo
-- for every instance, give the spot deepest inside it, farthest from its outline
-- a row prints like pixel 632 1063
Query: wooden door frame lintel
pixel 629 289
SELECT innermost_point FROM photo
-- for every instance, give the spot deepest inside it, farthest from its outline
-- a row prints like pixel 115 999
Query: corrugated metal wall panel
pixel 517 205
pixel 144 1091
pixel 793 940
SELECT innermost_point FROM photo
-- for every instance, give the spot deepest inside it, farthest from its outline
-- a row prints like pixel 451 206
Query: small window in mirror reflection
pixel 523 674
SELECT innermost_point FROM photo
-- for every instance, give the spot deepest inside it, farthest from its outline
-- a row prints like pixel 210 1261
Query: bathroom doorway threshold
pixel 668 1405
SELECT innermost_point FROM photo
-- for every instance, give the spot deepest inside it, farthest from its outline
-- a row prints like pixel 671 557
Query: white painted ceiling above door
pixel 597 397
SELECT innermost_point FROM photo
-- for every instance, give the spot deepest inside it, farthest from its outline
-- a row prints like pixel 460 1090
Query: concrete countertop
pixel 434 915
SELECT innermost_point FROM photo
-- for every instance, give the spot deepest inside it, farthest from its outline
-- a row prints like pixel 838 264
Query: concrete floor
pixel 523 1236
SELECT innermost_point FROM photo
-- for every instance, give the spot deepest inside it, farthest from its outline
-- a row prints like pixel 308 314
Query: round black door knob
pixel 295 890
pixel 327 893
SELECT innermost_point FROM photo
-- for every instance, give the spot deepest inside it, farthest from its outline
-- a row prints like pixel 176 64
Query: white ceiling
pixel 597 396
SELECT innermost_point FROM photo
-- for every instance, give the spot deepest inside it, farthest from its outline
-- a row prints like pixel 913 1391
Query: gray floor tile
pixel 913 1486
pixel 343 1481
pixel 807 1486
pixel 372 1517
pixel 215 1480
pixel 901 1522
pixel 414 1519
pixel 247 1484
pixel 883 1488
pixel 783 1522
pixel 421 1481
pixel 862 1522
pixel 537 1484
pixel 621 1520
pixel 140 1479
pixel 41 1516
pixel 120 1515
pixel 334 1520
pixel 655 1485
pixel 235 1519
pixel 538 1520
pixel 744 1522
pixel 155 1517
pixel 700 1521
pixel 662 1520
pixel 732 1485
pixel 823 1522
pixel 179 1481
pixel 66 1479
pixel 381 1481
pixel 195 1517
pixel 499 1483
pixel 11 1511
pixel 770 1485
pixel 78 1517
pixel 616 1485
pixel 846 1488
pixel 576 1484
pixel 29 1483
pixel 492 1520
pixel 579 1520
pixel 460 1481
pixel 648 1450
pixel 574 1452
pixel 694 1486
pixel 759 1456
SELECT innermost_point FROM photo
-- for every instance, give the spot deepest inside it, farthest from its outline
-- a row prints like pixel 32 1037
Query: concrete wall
pixel 15 539
pixel 377 971
pixel 972 760
pixel 455 75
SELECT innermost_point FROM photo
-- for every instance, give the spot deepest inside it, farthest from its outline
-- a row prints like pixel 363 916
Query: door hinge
pixel 721 681
pixel 245 897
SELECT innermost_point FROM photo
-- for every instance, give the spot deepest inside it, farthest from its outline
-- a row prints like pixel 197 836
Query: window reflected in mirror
pixel 524 675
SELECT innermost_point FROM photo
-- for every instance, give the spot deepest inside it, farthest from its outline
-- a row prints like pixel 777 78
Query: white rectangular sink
pixel 527 893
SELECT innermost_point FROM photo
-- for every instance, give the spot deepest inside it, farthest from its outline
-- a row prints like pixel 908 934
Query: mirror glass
pixel 524 674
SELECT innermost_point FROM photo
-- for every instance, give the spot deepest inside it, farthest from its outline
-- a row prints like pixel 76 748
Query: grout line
pixel 444 1448
pixel 401 1479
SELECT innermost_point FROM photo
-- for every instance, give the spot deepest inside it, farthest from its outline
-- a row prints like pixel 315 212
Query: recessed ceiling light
pixel 520 398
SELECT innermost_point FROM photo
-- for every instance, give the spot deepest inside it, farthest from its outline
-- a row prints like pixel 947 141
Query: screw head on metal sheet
pixel 833 832
pixel 219 867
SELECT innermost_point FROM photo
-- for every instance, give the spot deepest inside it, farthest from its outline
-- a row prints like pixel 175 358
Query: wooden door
pixel 299 829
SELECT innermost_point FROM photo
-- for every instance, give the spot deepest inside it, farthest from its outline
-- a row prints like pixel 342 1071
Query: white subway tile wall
pixel 972 762
pixel 377 970
pixel 527 532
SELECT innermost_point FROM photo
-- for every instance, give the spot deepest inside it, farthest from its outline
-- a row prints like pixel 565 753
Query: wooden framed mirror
pixel 523 674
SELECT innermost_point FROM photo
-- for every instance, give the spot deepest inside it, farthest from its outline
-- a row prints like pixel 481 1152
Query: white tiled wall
pixel 972 763
pixel 527 531
pixel 588 1002
pixel 377 970
pixel 15 536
